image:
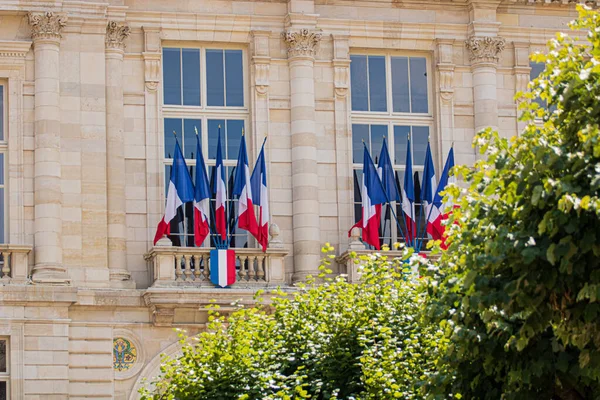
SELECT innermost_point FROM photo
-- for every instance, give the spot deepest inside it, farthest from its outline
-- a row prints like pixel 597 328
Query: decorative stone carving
pixel 341 77
pixel 275 242
pixel 446 79
pixel 116 34
pixel 301 43
pixel 151 70
pixel 46 25
pixel 261 75
pixel 485 49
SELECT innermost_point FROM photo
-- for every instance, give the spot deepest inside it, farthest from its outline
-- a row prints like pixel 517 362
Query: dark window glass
pixel 420 137
pixel 171 124
pixel 3 356
pixel 536 70
pixel 377 86
pixel 3 390
pixel 360 134
pixel 191 77
pixel 358 83
pixel 213 130
pixel 172 76
pixel 234 73
pixel 189 138
pixel 400 137
pixel 215 92
pixel 234 138
pixel 418 85
pixel 400 85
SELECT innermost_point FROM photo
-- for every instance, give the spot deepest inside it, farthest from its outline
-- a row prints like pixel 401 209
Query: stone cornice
pixel 485 49
pixel 14 49
pixel 46 25
pixel 301 43
pixel 116 33
pixel 556 3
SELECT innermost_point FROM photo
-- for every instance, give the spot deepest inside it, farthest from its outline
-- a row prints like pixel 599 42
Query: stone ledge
pixel 37 294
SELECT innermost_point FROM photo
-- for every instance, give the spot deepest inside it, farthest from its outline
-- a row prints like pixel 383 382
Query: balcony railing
pixel 14 265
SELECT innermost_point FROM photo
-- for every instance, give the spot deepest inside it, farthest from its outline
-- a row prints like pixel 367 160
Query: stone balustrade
pixel 14 265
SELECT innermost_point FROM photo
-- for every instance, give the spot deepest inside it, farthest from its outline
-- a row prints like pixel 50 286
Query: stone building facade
pixel 90 91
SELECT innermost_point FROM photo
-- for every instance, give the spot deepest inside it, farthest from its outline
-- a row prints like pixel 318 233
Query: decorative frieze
pixel 301 43
pixel 116 34
pixel 485 49
pixel 46 25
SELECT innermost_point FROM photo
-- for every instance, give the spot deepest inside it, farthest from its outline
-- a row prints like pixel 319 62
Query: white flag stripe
pixel 264 203
pixel 173 202
pixel 222 268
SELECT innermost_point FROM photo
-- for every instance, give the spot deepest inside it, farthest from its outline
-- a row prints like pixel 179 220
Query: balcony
pixel 14 264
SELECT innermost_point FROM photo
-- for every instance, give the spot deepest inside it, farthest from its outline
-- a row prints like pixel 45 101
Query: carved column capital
pixel 116 34
pixel 46 25
pixel 485 49
pixel 301 43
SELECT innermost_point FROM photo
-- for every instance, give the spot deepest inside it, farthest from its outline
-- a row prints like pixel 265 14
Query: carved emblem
pixel 124 354
pixel 301 43
pixel 116 34
pixel 485 49
pixel 46 25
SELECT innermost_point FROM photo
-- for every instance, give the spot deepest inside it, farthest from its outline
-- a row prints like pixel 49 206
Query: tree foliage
pixel 331 340
pixel 518 290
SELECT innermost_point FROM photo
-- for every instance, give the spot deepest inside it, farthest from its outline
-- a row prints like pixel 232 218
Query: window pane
pixel 360 134
pixel 171 124
pixel 172 76
pixel 191 77
pixel 400 88
pixel 400 139
pixel 3 356
pixel 215 92
pixel 234 138
pixel 418 84
pixel 234 73
pixel 377 134
pixel 377 89
pixel 213 130
pixel 1 112
pixel 189 139
pixel 3 390
pixel 420 136
pixel 358 83
pixel 536 70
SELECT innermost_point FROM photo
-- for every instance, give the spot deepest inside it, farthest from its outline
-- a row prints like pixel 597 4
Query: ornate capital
pixel 116 34
pixel 46 25
pixel 485 49
pixel 301 43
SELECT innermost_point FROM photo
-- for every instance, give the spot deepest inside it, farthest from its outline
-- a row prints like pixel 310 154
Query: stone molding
pixel 301 43
pixel 341 77
pixel 151 70
pixel 485 49
pixel 46 25
pixel 116 34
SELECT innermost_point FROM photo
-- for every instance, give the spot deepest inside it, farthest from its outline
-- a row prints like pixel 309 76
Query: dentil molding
pixel 301 43
pixel 116 34
pixel 46 25
pixel 485 49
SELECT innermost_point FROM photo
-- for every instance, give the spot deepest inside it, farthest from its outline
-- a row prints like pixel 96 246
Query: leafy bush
pixel 331 340
pixel 518 289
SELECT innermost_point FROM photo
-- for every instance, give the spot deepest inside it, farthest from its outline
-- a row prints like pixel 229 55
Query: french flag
pixel 201 198
pixel 258 182
pixel 373 196
pixel 408 197
pixel 437 213
pixel 243 189
pixel 428 190
pixel 220 191
pixel 180 191
pixel 222 267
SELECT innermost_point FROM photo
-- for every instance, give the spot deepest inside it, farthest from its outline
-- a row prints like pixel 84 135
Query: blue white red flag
pixel 428 188
pixel 386 173
pixel 243 189
pixel 180 191
pixel 373 196
pixel 258 182
pixel 222 267
pixel 440 211
pixel 220 191
pixel 408 197
pixel 201 198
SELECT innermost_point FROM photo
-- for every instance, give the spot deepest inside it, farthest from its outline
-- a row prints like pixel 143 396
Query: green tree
pixel 518 289
pixel 327 340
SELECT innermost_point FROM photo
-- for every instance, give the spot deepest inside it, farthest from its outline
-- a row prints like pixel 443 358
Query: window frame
pixel 4 152
pixel 391 119
pixel 5 376
pixel 204 112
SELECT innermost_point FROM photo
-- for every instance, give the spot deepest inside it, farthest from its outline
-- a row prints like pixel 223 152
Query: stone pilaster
pixel 522 71
pixel 301 45
pixel 261 65
pixel 116 33
pixel 445 95
pixel 484 54
pixel 46 33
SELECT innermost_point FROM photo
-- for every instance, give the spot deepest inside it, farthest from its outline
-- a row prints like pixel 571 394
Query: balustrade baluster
pixel 197 272
pixel 260 272
pixel 188 268
pixel 5 264
pixel 243 268
pixel 251 268
pixel 178 271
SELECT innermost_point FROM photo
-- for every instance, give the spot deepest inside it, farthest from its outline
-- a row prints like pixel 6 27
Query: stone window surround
pixel 13 333
pixel 4 152
pixel 5 375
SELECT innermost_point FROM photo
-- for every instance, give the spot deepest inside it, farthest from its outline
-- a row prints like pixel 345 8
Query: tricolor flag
pixel 220 191
pixel 222 267
pixel 441 211
pixel 258 182
pixel 180 191
pixel 243 189
pixel 408 197
pixel 201 198
pixel 428 188
pixel 386 173
pixel 373 196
